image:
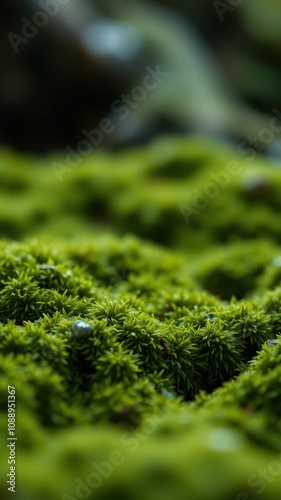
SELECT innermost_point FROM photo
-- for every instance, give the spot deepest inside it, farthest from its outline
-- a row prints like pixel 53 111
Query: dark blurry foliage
pixel 57 85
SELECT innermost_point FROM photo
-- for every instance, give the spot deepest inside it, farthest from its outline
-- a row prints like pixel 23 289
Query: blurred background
pixel 65 62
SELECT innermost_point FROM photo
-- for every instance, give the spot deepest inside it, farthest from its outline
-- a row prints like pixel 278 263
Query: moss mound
pixel 141 371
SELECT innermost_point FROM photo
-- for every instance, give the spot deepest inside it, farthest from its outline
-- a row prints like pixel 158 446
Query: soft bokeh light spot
pixel 106 38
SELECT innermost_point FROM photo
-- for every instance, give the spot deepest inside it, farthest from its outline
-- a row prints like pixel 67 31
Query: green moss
pixel 132 192
pixel 169 364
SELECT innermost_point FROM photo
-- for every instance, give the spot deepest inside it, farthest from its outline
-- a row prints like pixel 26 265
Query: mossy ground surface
pixel 172 389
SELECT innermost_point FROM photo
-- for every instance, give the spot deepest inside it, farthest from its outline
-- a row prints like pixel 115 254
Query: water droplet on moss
pixel 211 317
pixel 47 268
pixel 167 393
pixel 81 329
pixel 272 342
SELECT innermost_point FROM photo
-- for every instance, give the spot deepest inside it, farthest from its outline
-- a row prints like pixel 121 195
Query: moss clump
pixel 118 345
pixel 164 192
